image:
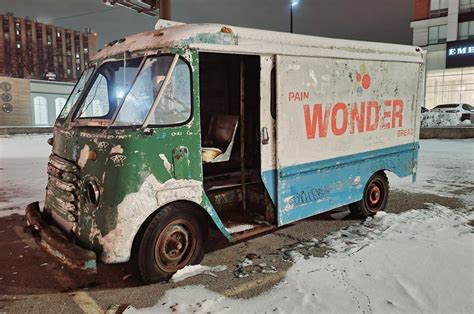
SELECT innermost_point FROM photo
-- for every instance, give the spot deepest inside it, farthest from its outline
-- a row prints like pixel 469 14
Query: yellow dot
pixel 362 69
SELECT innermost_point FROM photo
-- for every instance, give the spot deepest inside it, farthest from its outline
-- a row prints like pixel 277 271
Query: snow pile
pixel 23 177
pixel 194 270
pixel 432 119
pixel 445 168
pixel 417 261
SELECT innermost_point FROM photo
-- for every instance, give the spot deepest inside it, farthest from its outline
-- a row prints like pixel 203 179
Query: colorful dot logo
pixel 362 81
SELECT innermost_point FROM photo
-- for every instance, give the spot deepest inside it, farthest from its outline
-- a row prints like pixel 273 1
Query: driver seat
pixel 218 143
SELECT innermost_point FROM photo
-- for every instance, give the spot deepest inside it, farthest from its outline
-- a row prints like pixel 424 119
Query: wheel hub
pixel 175 245
pixel 374 194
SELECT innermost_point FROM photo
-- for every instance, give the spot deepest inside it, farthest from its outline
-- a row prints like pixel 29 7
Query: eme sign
pixel 460 54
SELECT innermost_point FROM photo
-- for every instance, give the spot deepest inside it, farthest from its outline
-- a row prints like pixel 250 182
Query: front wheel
pixel 172 240
pixel 375 197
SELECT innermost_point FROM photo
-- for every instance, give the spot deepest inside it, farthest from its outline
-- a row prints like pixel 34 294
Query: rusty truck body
pixel 177 130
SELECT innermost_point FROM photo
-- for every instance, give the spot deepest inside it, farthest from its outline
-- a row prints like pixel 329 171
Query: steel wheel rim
pixel 375 195
pixel 175 245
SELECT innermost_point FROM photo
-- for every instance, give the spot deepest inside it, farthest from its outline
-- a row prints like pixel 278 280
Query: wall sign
pixel 460 53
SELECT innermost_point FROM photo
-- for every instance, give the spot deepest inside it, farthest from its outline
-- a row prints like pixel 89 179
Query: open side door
pixel 267 125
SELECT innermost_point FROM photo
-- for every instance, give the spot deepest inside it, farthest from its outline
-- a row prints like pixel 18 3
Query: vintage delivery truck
pixel 171 132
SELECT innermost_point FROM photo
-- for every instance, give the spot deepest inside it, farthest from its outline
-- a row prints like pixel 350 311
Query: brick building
pixel 30 50
pixel 445 29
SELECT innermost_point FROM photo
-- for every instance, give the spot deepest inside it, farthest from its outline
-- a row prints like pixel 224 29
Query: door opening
pixel 230 127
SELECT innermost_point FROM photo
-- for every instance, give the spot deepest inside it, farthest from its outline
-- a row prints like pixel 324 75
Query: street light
pixel 293 3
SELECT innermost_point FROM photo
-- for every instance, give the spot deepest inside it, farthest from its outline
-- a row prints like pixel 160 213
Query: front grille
pixel 61 195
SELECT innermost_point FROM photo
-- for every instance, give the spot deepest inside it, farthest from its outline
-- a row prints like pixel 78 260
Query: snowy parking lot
pixel 418 260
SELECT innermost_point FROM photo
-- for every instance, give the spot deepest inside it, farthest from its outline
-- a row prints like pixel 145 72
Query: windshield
pixel 108 87
pixel 118 94
pixel 76 92
pixel 175 104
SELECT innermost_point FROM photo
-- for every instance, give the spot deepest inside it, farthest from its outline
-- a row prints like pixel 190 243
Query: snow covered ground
pixel 445 168
pixel 418 261
pixel 23 178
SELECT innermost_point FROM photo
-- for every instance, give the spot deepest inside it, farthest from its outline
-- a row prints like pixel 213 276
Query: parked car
pixel 465 110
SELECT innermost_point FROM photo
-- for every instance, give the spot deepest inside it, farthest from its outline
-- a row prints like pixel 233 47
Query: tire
pixel 375 197
pixel 172 240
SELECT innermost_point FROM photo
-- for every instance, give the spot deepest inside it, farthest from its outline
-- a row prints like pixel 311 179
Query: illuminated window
pixel 40 105
pixel 438 34
pixel 59 103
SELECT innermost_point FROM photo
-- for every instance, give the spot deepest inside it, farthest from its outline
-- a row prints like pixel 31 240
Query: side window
pixel 40 105
pixel 96 103
pixel 174 106
pixel 59 104
pixel 273 93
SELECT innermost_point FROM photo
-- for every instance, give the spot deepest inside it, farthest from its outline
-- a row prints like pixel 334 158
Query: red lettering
pixel 397 113
pixel 316 119
pixel 371 126
pixel 305 95
pixel 291 95
pixel 357 117
pixel 339 131
pixel 386 114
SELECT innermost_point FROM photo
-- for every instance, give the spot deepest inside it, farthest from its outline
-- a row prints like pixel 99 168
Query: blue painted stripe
pixel 345 160
pixel 304 190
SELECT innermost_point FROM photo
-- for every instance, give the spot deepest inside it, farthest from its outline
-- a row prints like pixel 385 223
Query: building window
pixel 438 8
pixel 59 103
pixel 40 110
pixel 466 30
pixel 449 86
pixel 466 6
pixel 438 34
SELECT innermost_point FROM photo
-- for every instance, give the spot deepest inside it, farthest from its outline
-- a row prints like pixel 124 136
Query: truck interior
pixel 230 124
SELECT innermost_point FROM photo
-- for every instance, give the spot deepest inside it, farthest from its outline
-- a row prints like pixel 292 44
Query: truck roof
pixel 232 39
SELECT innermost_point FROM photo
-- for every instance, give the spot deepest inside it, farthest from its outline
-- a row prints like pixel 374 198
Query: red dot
pixel 366 81
pixel 358 77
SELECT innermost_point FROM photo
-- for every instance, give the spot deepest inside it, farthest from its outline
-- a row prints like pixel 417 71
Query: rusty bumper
pixel 57 245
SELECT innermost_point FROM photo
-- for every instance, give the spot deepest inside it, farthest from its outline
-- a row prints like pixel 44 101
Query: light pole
pixel 293 3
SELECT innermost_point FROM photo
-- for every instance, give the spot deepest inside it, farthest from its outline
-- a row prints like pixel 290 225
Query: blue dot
pixel 359 90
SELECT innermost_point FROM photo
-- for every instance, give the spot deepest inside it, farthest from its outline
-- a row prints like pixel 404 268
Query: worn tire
pixel 375 197
pixel 172 240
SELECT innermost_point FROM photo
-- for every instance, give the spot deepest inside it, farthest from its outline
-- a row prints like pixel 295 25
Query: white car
pixel 465 110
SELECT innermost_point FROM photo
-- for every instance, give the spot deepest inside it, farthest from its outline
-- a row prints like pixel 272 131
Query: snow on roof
pixel 219 37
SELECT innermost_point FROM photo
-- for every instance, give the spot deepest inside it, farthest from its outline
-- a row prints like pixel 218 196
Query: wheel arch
pixel 201 213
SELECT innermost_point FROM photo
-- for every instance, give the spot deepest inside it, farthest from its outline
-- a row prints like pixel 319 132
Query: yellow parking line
pixel 249 286
pixel 86 303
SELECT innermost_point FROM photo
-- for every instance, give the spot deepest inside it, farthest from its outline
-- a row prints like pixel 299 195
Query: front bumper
pixel 57 245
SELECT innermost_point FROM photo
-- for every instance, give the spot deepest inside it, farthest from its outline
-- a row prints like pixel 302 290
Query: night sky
pixel 373 20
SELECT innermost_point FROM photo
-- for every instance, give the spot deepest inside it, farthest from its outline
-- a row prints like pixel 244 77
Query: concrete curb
pixel 447 132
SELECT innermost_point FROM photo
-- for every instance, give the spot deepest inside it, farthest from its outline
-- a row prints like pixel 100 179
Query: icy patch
pixel 194 270
pixel 417 261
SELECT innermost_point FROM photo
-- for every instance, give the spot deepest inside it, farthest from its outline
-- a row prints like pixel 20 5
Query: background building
pixel 445 29
pixel 30 54
pixel 31 50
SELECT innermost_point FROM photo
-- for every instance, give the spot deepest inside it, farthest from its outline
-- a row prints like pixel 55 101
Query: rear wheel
pixel 172 240
pixel 375 197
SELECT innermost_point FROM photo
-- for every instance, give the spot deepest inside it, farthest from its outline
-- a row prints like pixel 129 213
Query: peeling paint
pixel 136 207
pixel 83 156
pixel 117 149
pixel 166 163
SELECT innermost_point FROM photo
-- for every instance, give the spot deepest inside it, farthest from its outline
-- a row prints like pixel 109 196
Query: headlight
pixel 92 192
